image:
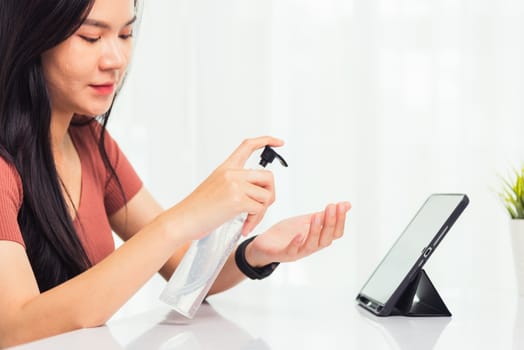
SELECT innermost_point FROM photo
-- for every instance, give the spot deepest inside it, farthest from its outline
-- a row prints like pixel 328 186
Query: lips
pixel 103 89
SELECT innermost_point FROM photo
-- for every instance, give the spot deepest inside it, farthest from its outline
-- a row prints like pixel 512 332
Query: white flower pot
pixel 517 242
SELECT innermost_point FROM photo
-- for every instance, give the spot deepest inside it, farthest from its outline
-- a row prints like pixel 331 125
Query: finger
pixel 262 178
pixel 259 194
pixel 239 157
pixel 342 209
pixel 328 229
pixel 262 186
pixel 252 220
pixel 259 199
pixel 311 243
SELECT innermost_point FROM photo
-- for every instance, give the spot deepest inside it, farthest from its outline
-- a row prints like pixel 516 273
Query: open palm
pixel 299 236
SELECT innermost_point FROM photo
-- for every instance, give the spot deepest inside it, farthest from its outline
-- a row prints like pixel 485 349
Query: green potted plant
pixel 513 195
pixel 513 198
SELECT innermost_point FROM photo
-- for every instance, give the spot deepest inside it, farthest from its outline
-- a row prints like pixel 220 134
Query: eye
pixel 126 36
pixel 89 39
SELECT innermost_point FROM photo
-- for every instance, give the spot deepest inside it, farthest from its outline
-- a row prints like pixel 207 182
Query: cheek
pixel 63 73
pixel 75 76
pixel 65 81
pixel 127 52
pixel 76 68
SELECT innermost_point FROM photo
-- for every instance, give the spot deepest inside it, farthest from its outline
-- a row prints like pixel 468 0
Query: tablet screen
pixel 409 247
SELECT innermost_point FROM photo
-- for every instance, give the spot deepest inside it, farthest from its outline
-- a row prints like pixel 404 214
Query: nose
pixel 114 56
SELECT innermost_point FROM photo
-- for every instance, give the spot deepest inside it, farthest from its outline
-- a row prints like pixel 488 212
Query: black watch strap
pixel 254 273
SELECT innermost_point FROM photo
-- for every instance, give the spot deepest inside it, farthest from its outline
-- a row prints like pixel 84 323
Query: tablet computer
pixel 403 263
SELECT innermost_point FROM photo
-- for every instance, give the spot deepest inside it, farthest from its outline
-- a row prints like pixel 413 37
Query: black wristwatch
pixel 254 273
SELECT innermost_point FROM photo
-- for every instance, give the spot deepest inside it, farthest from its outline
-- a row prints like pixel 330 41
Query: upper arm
pixel 17 284
pixel 17 281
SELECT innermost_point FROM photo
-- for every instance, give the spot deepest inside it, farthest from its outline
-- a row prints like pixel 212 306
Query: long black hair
pixel 27 29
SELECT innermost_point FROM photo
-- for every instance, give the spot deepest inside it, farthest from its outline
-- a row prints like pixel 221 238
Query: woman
pixel 64 183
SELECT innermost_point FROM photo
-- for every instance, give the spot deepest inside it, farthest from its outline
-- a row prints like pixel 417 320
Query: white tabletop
pixel 307 318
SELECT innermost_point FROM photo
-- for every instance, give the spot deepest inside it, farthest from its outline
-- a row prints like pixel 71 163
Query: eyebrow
pixel 105 25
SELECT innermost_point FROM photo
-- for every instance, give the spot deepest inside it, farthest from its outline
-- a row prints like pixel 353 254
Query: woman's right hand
pixel 227 192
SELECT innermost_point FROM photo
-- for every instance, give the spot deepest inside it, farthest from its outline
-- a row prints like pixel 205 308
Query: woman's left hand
pixel 294 238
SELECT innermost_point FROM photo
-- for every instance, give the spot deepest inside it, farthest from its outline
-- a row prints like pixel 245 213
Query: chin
pixel 95 112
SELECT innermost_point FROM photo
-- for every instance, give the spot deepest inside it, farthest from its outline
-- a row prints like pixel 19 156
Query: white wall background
pixel 381 102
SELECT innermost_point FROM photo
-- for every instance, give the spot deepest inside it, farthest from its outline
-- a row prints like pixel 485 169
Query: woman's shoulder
pixel 10 183
pixel 8 171
pixel 11 199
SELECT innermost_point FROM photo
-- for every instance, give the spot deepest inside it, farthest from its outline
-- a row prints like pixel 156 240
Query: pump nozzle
pixel 268 155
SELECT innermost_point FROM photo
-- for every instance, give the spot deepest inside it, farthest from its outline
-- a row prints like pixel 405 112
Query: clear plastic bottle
pixel 200 266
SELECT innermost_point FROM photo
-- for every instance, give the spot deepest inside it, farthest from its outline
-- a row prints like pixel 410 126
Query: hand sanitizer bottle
pixel 200 266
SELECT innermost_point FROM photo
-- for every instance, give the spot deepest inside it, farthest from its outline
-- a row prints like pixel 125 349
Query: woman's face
pixel 83 72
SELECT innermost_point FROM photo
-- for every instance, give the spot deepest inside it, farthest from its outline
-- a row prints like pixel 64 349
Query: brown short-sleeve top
pixel 100 194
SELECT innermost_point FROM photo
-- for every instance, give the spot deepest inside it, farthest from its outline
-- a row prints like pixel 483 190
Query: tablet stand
pixel 420 298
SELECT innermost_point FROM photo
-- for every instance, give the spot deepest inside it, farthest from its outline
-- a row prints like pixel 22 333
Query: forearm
pixel 92 297
pixel 229 277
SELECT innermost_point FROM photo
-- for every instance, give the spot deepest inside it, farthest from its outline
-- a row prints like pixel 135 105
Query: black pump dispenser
pixel 268 155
